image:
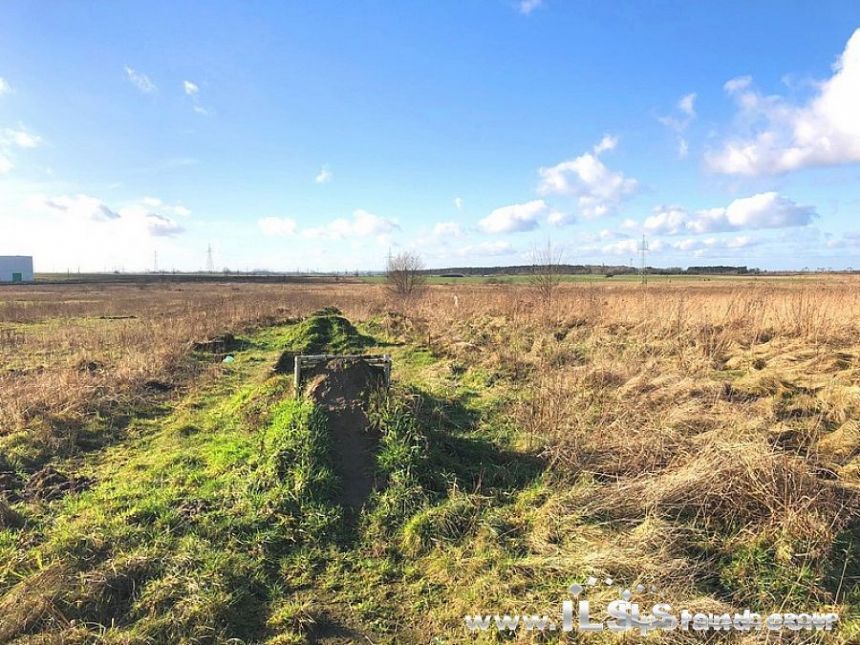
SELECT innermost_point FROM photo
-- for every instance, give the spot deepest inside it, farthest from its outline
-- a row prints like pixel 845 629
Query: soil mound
pixel 324 332
pixel 8 516
pixel 10 484
pixel 340 390
pixel 343 382
pixel 219 344
pixel 49 483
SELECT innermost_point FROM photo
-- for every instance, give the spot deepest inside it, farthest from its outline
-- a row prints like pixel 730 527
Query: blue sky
pixel 317 135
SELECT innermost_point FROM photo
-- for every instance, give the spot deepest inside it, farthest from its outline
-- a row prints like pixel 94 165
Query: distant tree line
pixel 592 269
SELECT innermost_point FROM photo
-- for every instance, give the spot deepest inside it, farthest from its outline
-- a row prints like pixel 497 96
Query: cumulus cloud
pixel 79 207
pixel 525 7
pixel 324 176
pixel 278 226
pixel 190 88
pixel 599 191
pixel 516 218
pixel 140 80
pixel 129 220
pixel 154 224
pixel 681 120
pixel 458 203
pixel 176 209
pixel 762 211
pixel 781 136
pixel 362 224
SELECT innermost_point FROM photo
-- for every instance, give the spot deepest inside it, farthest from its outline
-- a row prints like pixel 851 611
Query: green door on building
pixel 17 277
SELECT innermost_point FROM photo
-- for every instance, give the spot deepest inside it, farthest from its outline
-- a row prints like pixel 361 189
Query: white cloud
pixel 447 230
pixel 176 209
pixel 621 247
pixel 516 217
pixel 486 249
pixel 140 81
pixel 5 88
pixel 679 124
pixel 130 220
pixel 599 191
pixel 278 226
pixel 782 137
pixel 11 138
pixel 138 217
pixel 737 84
pixel 687 104
pixel 557 218
pixel 762 211
pixel 668 220
pixel 78 207
pixel 458 203
pixel 20 138
pixel 608 142
pixel 192 90
pixel 324 176
pixel 362 224
pixel 525 7
pixel 704 247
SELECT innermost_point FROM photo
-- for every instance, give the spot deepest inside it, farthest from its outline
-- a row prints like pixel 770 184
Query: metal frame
pixel 312 360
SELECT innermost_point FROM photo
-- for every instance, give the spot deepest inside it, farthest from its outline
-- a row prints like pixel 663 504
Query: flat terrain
pixel 698 437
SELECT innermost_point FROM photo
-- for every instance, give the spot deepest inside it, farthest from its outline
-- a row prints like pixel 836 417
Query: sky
pixel 324 135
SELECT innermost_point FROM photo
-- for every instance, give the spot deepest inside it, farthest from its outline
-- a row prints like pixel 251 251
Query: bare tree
pixel 404 275
pixel 546 271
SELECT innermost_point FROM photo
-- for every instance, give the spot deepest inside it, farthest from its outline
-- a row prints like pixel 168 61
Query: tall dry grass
pixel 725 413
pixel 74 353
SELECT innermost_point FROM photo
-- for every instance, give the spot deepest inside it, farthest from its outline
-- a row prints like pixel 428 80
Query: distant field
pixel 656 278
pixel 697 435
pixel 146 278
pixel 137 278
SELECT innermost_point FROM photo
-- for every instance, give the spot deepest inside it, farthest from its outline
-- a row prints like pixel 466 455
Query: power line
pixel 210 263
pixel 643 250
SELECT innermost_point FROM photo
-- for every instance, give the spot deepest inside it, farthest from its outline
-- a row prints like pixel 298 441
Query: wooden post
pixel 297 373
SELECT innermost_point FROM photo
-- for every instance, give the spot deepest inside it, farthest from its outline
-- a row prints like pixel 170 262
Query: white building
pixel 16 268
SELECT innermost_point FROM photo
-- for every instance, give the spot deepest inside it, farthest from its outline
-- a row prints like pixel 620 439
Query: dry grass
pixel 713 427
pixel 74 354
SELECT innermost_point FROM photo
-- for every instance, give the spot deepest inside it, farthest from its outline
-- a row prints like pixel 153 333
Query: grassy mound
pixel 323 332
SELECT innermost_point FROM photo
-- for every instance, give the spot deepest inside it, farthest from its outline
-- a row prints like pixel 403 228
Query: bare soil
pixel 340 391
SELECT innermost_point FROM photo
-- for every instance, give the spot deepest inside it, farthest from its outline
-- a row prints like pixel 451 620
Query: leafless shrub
pixel 404 275
pixel 545 275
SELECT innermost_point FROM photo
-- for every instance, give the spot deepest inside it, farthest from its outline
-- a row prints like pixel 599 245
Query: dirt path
pixel 340 391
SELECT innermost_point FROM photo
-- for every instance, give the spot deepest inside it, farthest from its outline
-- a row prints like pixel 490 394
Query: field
pixel 700 438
